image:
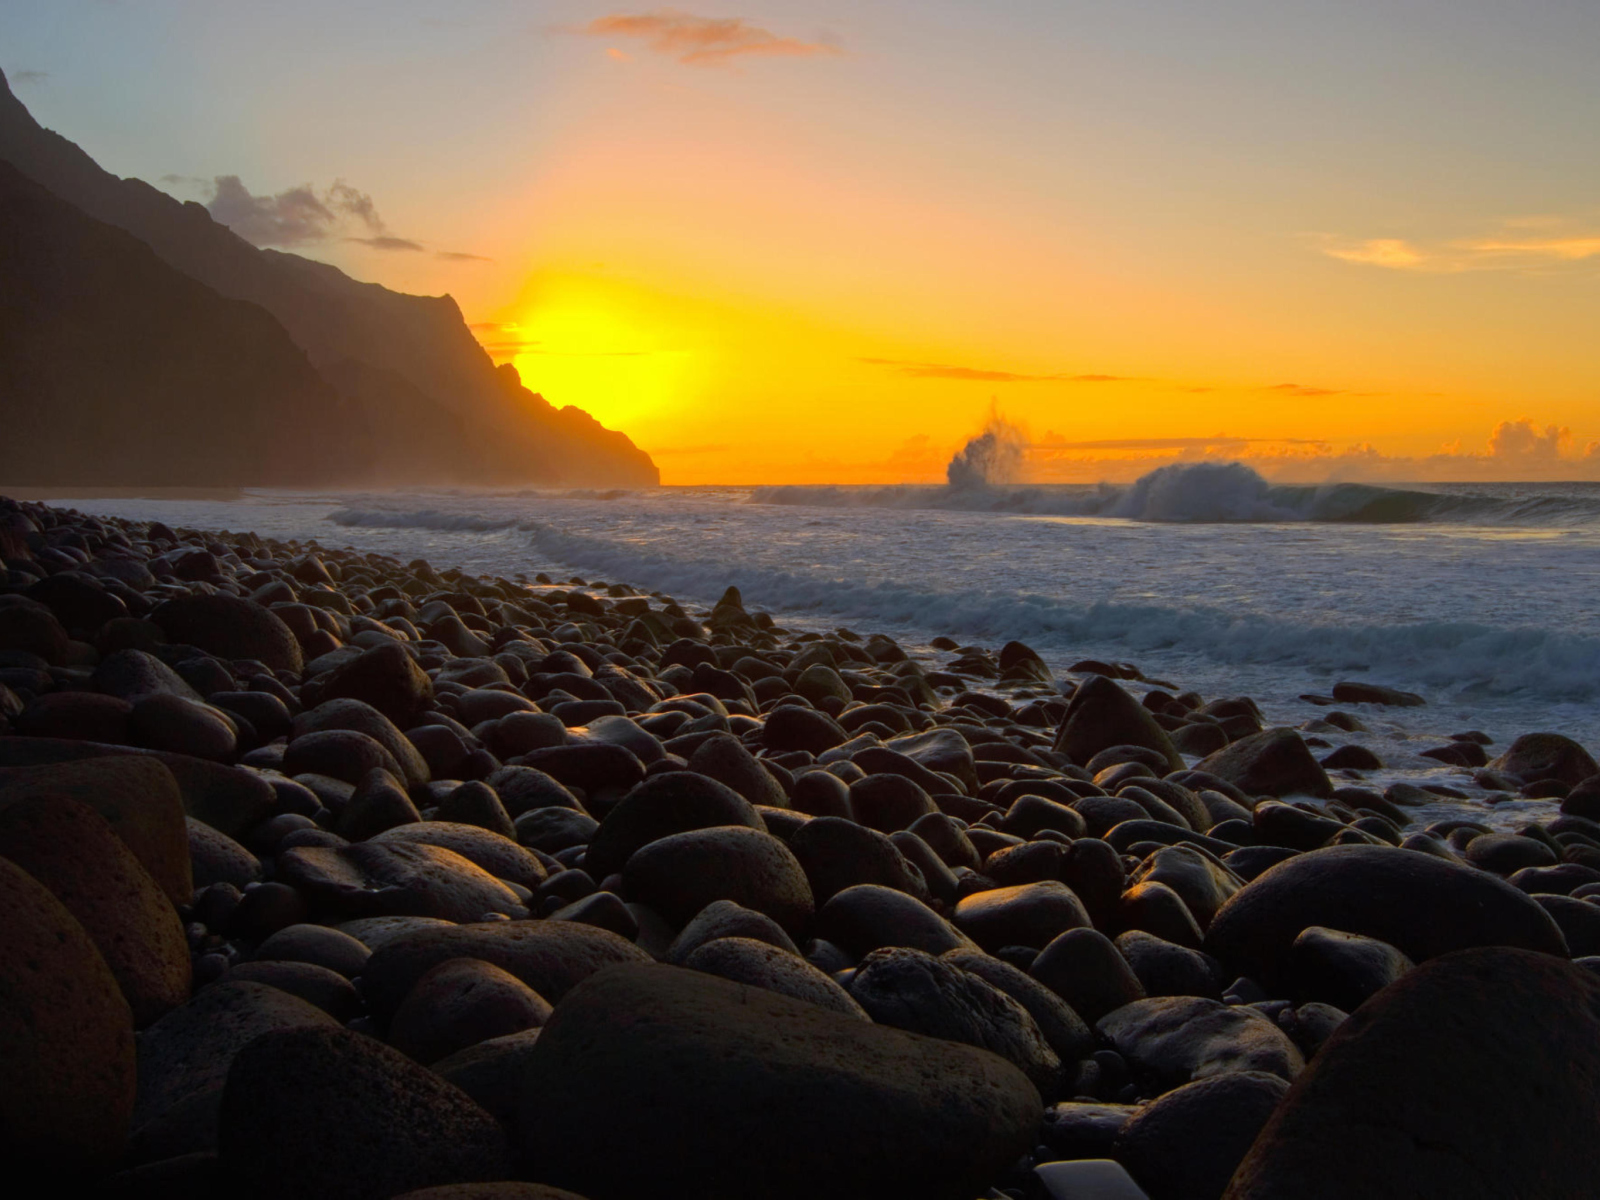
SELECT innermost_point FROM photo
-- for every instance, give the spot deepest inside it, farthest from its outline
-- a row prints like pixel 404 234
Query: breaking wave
pixel 1208 493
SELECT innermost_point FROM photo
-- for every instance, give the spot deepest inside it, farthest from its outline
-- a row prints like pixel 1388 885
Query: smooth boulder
pixel 725 1092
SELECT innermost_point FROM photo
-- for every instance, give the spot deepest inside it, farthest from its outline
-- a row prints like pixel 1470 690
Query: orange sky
pixel 810 242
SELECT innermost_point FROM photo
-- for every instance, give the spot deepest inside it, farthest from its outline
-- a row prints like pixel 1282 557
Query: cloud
pixel 295 217
pixel 1379 252
pixel 384 241
pixel 919 370
pixel 1300 389
pixel 1221 443
pixel 1520 440
pixel 703 41
pixel 26 78
pixel 1531 244
pixel 461 256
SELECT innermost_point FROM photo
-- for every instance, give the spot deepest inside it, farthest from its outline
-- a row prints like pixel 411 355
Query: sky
pixel 827 241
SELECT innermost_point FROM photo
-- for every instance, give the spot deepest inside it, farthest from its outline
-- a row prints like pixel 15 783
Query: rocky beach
pixel 331 874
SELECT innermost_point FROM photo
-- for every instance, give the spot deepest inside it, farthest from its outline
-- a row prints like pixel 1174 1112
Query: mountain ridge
pixel 436 407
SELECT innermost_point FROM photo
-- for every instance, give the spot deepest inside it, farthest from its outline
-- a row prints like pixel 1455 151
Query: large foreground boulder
pixel 230 627
pixel 1422 905
pixel 66 1041
pixel 1475 1075
pixel 722 1091
pixel 316 1112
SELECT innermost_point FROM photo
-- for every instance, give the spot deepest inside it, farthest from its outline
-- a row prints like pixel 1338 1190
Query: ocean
pixel 1479 597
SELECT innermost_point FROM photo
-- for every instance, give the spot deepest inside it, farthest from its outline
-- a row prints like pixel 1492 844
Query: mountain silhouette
pixel 270 368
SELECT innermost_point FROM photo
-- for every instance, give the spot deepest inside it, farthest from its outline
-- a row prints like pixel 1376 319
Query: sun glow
pixel 612 351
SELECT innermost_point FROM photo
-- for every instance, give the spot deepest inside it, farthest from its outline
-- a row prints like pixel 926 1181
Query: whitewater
pixel 1479 597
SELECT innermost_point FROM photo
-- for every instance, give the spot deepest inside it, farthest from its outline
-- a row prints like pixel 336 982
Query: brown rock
pixel 73 851
pixel 66 1040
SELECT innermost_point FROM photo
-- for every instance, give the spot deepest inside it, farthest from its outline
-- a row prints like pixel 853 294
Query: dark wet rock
pixel 342 754
pixel 551 957
pixel 790 727
pixel 725 1091
pixel 491 1072
pixel 375 879
pixel 675 802
pixel 1560 880
pixel 86 715
pixel 948 839
pixel 319 945
pixel 1029 815
pixel 1064 1030
pixel 183 726
pixel 1277 824
pixel 66 1041
pixel 499 856
pixel 30 626
pixel 1085 968
pixel 868 916
pixel 1579 921
pixel 71 850
pixel 1536 756
pixel 911 990
pixel 590 767
pixel 1508 853
pixel 364 718
pixel 475 803
pixel 217 858
pixel 1094 872
pixel 889 802
pixel 363 1119
pixel 387 678
pixel 1274 762
pixel 763 965
pixel 230 627
pixel 80 603
pixel 1170 1040
pixel 1373 693
pixel 132 675
pixel 1156 908
pixel 880 760
pixel 725 919
pixel 723 757
pixel 555 829
pixel 1188 1143
pixel 138 797
pixel 680 874
pixel 328 990
pixel 1410 1096
pixel 1076 1130
pixel 1203 884
pixel 522 789
pixel 459 1003
pixel 1101 714
pixel 379 802
pixel 943 751
pixel 1421 905
pixel 1343 969
pixel 1310 1025
pixel 231 799
pixel 522 732
pixel 1167 969
pixel 189 1051
pixel 941 880
pixel 1030 914
pixel 836 854
pixel 821 794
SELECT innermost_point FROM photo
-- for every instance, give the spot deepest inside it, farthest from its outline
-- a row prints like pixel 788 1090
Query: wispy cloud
pixel 385 241
pixel 703 41
pixel 1531 244
pixel 461 256
pixel 1220 444
pixel 921 370
pixel 26 78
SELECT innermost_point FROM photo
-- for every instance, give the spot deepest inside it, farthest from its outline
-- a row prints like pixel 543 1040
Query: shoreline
pixel 392 769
